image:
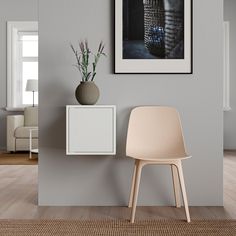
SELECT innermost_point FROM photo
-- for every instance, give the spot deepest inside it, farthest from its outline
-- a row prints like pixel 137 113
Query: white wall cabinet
pixel 90 130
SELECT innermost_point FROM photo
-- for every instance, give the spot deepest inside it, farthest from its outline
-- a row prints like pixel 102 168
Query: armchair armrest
pixel 12 123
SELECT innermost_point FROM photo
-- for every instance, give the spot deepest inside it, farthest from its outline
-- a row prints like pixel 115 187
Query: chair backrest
pixel 155 132
pixel 31 116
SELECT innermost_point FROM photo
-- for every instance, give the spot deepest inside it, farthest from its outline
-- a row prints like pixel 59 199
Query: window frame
pixel 13 27
pixel 21 60
pixel 226 66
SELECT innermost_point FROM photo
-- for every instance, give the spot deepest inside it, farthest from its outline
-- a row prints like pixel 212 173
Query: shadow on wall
pixel 55 129
pixel 121 133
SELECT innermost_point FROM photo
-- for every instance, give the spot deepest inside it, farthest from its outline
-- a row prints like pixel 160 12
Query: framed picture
pixel 153 36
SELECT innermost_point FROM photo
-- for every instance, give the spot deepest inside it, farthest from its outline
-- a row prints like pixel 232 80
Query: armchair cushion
pixel 18 127
pixel 12 123
pixel 31 116
pixel 24 132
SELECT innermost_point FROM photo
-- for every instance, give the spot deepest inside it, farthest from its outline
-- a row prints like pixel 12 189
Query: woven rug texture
pixel 117 228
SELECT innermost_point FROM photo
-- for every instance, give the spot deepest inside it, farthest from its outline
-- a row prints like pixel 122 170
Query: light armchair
pixel 18 130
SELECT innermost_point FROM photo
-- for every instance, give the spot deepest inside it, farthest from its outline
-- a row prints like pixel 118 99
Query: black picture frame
pixel 155 65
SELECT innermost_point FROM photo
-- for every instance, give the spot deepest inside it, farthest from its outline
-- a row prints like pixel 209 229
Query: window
pixel 22 63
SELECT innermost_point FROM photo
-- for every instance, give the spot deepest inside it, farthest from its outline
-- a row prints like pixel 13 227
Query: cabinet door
pixel 91 130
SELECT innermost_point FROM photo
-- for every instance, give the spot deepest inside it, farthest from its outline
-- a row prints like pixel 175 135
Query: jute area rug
pixel 117 227
pixel 21 158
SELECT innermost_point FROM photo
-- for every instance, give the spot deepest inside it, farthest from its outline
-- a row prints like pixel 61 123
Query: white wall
pixel 10 10
pixel 230 116
pixel 66 180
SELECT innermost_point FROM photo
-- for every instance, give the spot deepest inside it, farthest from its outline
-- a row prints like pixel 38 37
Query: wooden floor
pixel 21 158
pixel 18 200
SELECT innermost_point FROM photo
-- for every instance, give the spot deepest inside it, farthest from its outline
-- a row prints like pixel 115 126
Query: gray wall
pixel 10 10
pixel 230 116
pixel 100 180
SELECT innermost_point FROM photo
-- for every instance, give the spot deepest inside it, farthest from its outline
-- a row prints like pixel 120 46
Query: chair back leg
pixel 176 186
pixel 132 186
pixel 136 188
pixel 182 184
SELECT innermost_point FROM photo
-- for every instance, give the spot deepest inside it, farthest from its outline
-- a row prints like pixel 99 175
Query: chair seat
pixel 24 132
pixel 162 159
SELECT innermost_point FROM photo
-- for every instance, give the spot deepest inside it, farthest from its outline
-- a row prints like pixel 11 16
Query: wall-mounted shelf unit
pixel 91 130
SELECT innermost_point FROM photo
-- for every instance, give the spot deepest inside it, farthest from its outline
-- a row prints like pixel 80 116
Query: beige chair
pixel 18 130
pixel 155 137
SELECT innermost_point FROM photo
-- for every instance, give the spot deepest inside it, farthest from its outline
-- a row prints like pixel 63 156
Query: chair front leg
pixel 176 186
pixel 184 194
pixel 132 185
pixel 136 188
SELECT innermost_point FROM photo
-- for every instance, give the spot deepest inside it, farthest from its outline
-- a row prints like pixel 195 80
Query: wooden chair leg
pixel 181 179
pixel 132 186
pixel 136 188
pixel 176 186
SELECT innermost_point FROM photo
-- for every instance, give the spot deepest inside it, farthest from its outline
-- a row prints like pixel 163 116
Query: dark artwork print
pixel 153 29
